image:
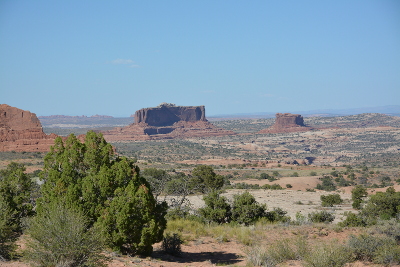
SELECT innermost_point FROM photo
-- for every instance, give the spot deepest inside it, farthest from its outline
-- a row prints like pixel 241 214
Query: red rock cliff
pixel 168 114
pixel 286 122
pixel 20 130
pixel 166 121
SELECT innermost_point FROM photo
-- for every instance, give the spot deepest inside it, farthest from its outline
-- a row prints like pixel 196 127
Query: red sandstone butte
pixel 287 123
pixel 20 130
pixel 166 121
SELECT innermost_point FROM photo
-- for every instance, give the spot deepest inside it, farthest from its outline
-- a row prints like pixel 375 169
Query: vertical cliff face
pixel 21 130
pixel 286 122
pixel 18 119
pixel 165 122
pixel 167 115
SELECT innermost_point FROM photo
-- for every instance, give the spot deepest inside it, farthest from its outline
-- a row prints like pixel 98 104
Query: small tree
pixel 321 216
pixel 357 195
pixel 327 184
pixel 204 179
pixel 384 205
pixel 15 190
pixel 7 234
pixel 157 179
pixel 330 200
pixel 246 210
pixel 217 208
pixel 107 189
pixel 133 221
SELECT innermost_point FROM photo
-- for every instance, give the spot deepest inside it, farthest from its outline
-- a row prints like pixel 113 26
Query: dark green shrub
pixel 171 244
pixel 60 236
pixel 272 187
pixel 352 220
pixel 277 215
pixel 217 208
pixel 384 205
pixel 107 189
pixel 246 210
pixel 15 191
pixel 245 186
pixel 357 195
pixel 289 186
pixel 204 179
pixel 321 217
pixel 342 182
pixel 7 234
pixel 15 204
pixel 330 200
pixel 272 178
pixel 327 184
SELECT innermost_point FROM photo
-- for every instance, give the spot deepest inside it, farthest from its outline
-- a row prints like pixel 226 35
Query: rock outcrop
pixel 166 121
pixel 20 130
pixel 287 123
pixel 168 114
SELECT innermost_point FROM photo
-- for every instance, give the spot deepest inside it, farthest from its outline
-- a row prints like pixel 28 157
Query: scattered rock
pixel 20 130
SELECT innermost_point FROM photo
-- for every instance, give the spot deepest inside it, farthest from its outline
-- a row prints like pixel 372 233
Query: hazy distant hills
pixel 393 110
pixel 98 121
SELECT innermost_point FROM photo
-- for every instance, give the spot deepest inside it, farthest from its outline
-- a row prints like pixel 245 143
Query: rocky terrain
pixel 359 140
pixel 287 123
pixel 20 130
pixel 166 121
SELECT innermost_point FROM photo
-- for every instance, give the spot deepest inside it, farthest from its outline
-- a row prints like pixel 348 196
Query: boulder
pixel 286 123
pixel 20 130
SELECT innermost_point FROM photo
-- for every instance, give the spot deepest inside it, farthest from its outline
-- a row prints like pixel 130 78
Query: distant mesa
pixel 166 121
pixel 20 130
pixel 73 117
pixel 287 123
pixel 167 114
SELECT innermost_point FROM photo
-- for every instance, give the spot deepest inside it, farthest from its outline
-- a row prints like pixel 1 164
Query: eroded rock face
pixel 20 130
pixel 168 114
pixel 286 123
pixel 165 122
pixel 289 120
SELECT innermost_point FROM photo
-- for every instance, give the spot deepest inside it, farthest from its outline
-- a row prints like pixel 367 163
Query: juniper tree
pixel 108 189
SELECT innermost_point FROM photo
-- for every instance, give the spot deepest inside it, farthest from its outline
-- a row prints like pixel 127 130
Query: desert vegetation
pixel 321 198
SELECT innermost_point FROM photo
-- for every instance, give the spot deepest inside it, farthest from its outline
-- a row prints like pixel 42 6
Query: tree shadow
pixel 190 257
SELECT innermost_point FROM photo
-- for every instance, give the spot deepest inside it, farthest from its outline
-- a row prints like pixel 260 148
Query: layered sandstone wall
pixel 289 120
pixel 20 130
pixel 286 123
pixel 165 122
pixel 167 115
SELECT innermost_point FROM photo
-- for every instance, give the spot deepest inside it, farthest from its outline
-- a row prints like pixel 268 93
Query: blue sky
pixel 115 57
